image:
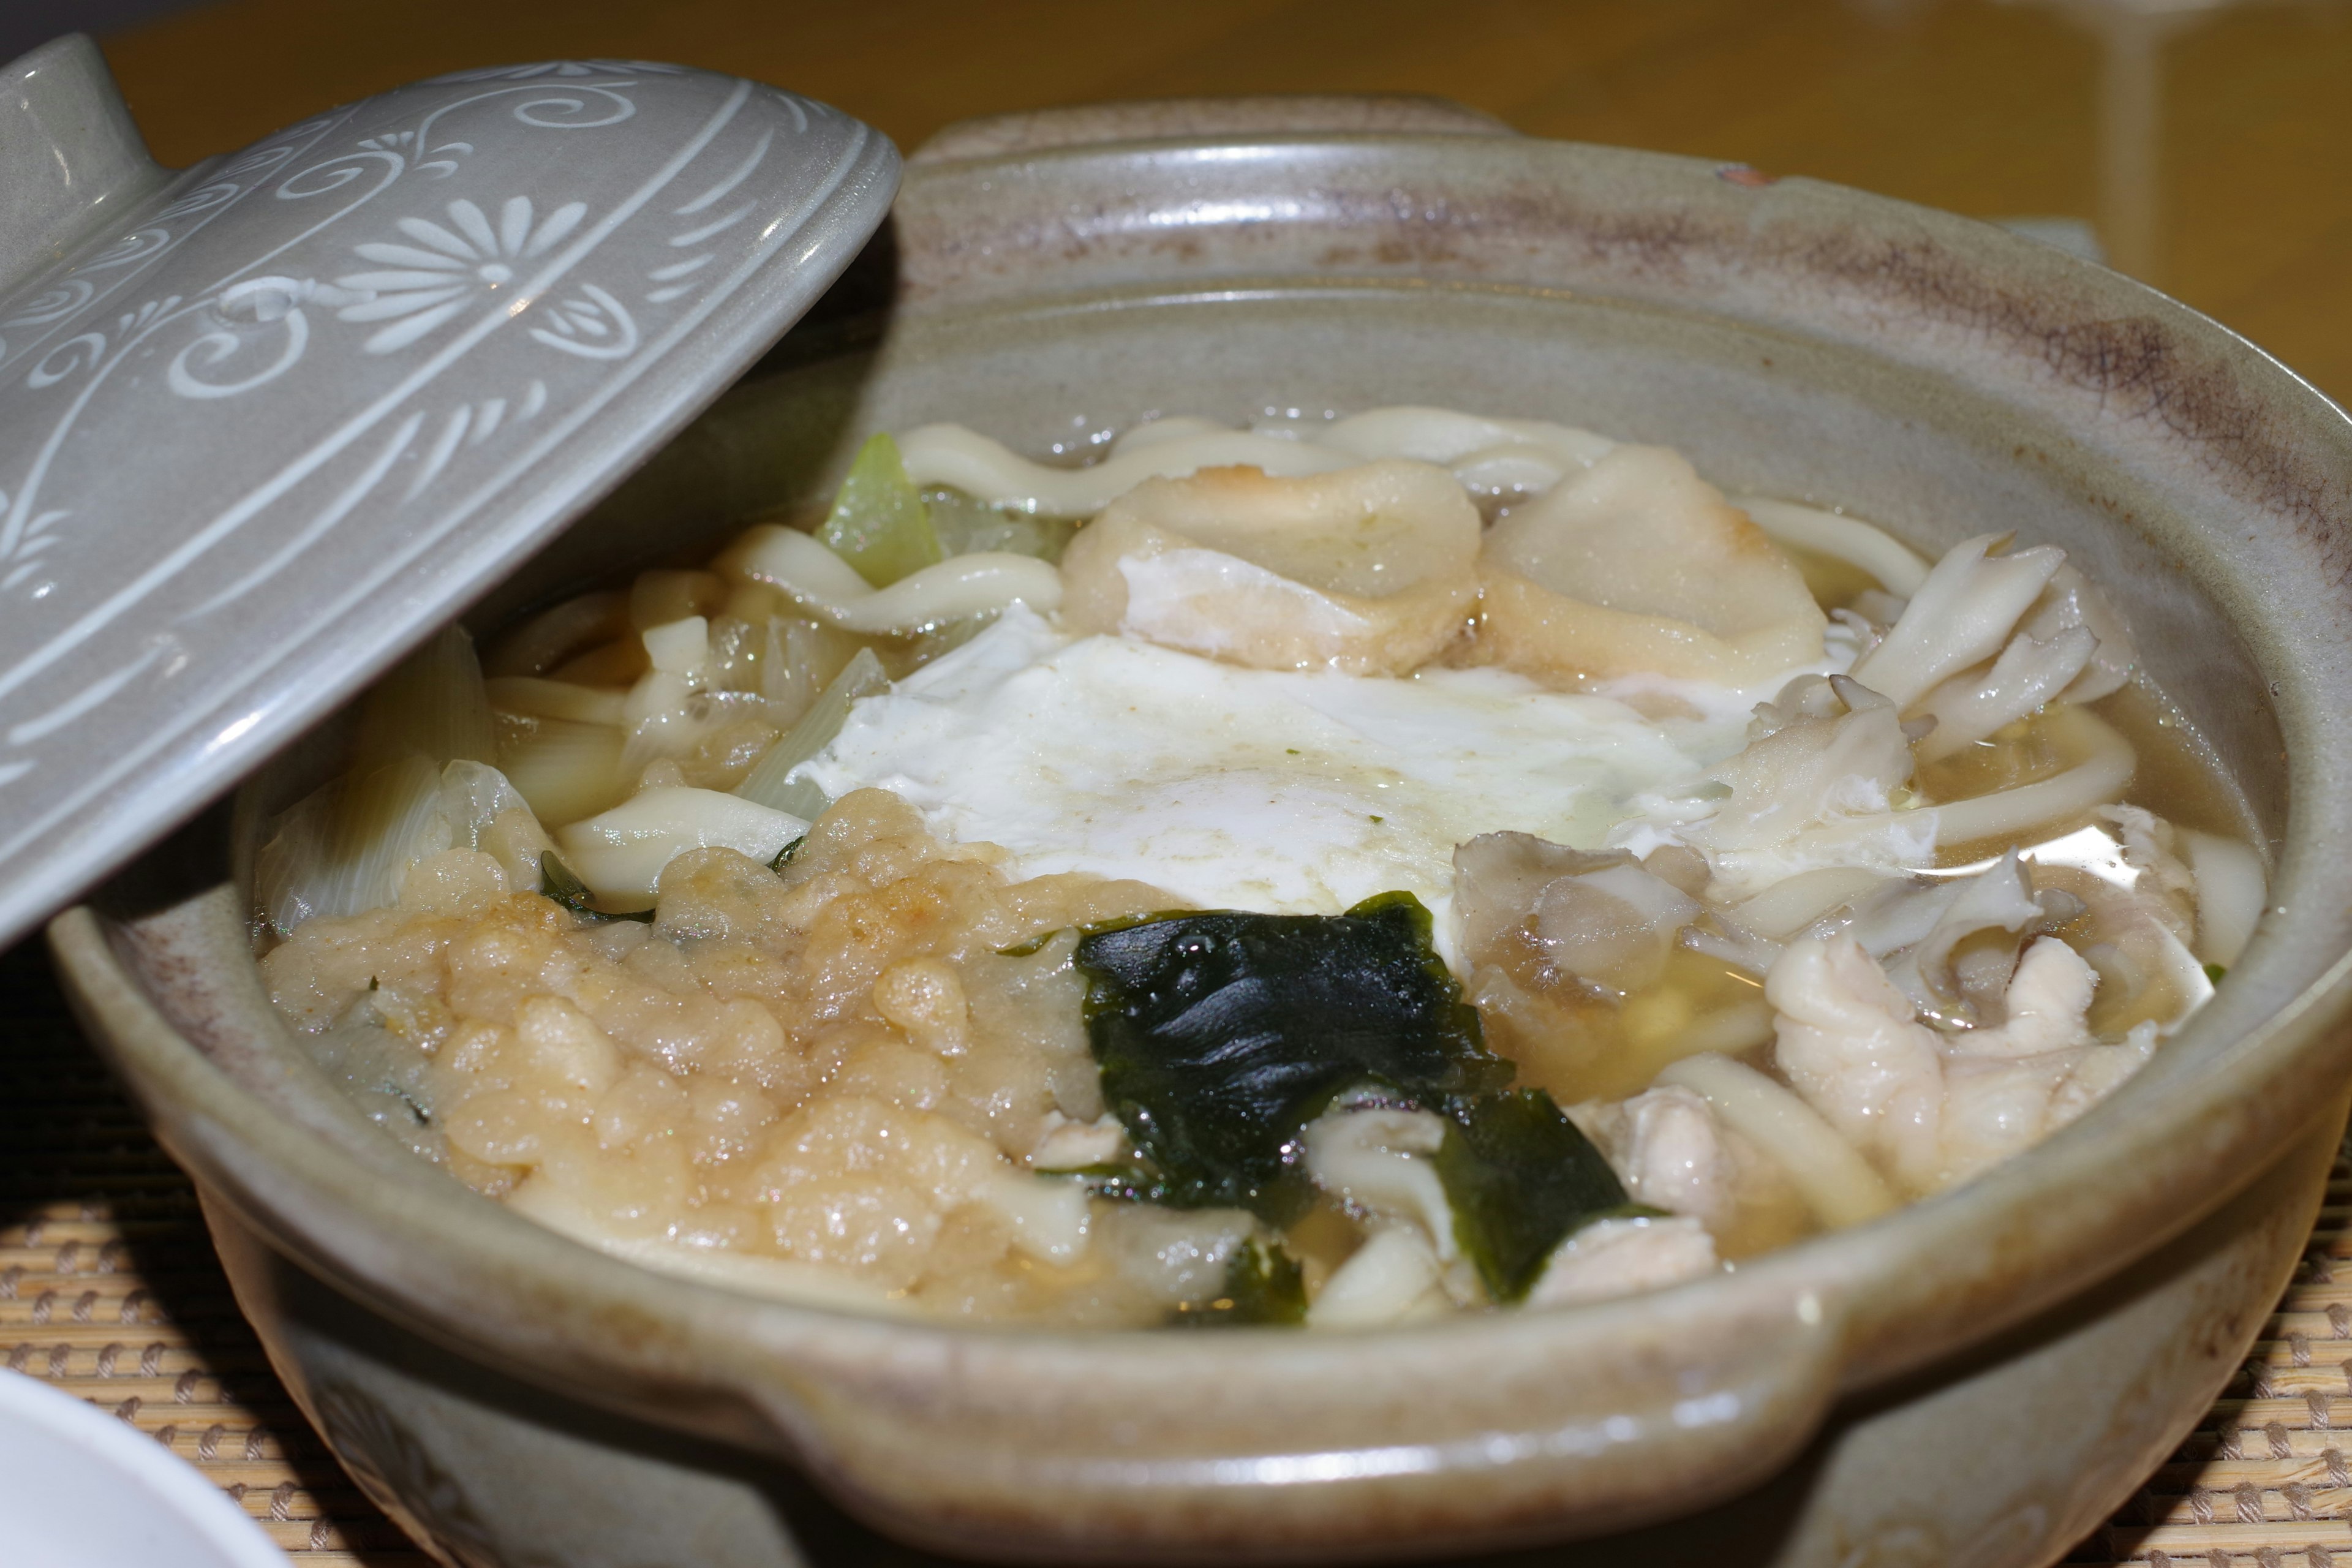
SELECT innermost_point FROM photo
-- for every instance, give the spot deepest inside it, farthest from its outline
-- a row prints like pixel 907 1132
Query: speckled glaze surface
pixel 266 421
pixel 1982 1375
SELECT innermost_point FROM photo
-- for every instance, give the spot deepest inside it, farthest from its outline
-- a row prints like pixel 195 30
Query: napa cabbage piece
pixel 534 697
pixel 389 1079
pixel 1636 565
pixel 878 523
pixel 1220 1036
pixel 965 525
pixel 1369 570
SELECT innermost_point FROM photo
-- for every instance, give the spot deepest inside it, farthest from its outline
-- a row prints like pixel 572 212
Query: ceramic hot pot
pixel 1980 1377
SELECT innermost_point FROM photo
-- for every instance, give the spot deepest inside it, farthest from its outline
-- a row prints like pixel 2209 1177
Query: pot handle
pixel 1166 118
pixel 71 158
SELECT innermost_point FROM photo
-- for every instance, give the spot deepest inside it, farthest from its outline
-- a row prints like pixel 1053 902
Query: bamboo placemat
pixel 109 1289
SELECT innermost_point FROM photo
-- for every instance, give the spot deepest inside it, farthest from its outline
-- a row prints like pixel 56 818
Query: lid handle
pixel 70 155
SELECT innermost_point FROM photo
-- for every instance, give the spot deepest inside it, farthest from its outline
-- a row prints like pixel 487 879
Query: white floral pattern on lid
pixel 306 402
pixel 438 271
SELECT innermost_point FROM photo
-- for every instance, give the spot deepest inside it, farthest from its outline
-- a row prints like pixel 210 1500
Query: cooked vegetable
pixel 878 523
pixel 1520 1177
pixel 432 703
pixel 767 786
pixel 1263 1284
pixel 348 846
pixel 797 658
pixel 557 881
pixel 1220 1036
pixel 621 853
pixel 968 527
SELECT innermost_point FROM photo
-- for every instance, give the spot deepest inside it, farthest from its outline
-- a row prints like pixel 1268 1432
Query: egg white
pixel 1236 788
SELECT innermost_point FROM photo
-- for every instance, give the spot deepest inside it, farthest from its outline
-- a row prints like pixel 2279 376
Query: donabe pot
pixel 1983 1376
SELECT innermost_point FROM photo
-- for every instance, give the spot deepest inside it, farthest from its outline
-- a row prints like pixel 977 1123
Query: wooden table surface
pixel 2202 138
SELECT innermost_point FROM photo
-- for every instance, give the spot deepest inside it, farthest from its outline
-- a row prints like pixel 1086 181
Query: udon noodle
pixel 1351 872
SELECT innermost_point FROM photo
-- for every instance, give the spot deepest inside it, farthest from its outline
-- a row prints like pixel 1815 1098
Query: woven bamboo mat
pixel 109 1289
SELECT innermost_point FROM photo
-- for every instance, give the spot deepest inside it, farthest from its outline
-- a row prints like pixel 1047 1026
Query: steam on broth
pixel 1349 873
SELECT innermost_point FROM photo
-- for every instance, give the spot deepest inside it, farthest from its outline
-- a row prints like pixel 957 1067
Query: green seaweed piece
pixel 1519 1177
pixel 784 855
pixel 878 523
pixel 2214 972
pixel 1030 947
pixel 1220 1035
pixel 1263 1284
pixel 559 882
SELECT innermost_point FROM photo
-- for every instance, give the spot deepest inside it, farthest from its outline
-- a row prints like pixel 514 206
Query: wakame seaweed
pixel 1263 1284
pixel 1220 1035
pixel 1519 1177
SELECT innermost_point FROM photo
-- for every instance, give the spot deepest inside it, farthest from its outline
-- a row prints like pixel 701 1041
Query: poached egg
pixel 1274 791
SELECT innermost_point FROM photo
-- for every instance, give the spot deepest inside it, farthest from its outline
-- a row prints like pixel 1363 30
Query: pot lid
pixel 271 422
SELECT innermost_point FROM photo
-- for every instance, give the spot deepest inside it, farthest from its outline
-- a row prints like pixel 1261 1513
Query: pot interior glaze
pixel 1939 376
